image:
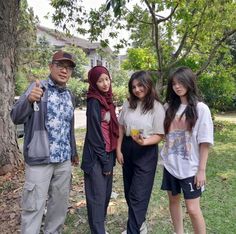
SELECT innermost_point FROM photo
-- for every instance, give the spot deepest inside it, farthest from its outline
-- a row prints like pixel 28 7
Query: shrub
pixel 120 94
pixel 21 83
pixel 218 91
pixel 79 89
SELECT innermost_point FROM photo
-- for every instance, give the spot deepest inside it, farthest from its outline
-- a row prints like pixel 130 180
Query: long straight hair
pixel 145 79
pixel 187 78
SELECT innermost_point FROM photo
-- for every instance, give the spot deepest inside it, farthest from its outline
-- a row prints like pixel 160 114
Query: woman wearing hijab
pixel 99 147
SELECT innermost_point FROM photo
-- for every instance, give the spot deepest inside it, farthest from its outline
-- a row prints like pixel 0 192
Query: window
pixel 99 63
pixel 91 63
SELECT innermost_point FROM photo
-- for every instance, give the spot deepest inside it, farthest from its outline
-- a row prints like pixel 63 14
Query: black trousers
pixel 138 174
pixel 98 188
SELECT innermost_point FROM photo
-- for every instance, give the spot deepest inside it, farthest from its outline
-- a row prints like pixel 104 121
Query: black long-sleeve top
pixel 94 145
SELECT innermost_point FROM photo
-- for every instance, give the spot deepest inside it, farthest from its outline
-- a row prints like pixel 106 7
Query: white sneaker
pixel 143 229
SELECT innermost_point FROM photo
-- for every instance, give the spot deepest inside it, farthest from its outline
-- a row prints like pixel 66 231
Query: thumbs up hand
pixel 36 93
pixel 37 83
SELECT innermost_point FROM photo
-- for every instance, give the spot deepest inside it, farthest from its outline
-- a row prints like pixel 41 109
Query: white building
pixel 59 40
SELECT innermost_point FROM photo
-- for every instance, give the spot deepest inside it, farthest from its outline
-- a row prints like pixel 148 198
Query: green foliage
pixel 165 34
pixel 141 31
pixel 218 90
pixel 120 80
pixel 192 61
pixel 39 73
pixel 69 11
pixel 140 59
pixel 80 59
pixel 221 182
pixel 79 89
pixel 120 94
pixel 116 5
pixel 26 34
pixel 44 53
pixel 26 40
pixel 174 29
pixel 232 45
pixel 21 83
pixel 120 77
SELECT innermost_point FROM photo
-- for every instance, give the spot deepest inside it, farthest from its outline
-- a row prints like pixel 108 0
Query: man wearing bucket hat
pixel 47 111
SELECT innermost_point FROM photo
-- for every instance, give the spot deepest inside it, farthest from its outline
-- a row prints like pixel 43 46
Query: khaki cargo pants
pixel 45 184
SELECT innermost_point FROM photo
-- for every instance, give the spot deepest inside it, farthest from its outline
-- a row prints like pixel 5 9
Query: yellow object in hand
pixel 134 132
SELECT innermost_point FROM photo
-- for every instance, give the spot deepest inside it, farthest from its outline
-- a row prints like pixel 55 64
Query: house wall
pixel 94 58
pixel 51 40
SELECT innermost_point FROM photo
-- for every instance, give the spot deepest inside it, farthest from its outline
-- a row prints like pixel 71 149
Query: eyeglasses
pixel 62 66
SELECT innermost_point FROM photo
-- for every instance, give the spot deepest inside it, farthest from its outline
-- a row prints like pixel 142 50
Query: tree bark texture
pixel 9 150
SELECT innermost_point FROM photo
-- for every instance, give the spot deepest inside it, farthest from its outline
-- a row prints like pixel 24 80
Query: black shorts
pixel 170 183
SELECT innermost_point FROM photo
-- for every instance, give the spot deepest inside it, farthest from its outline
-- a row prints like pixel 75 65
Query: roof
pixel 72 40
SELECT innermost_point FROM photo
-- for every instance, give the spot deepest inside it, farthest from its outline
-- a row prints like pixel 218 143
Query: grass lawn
pixel 218 200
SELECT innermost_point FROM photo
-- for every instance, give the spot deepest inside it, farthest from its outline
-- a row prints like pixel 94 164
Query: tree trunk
pixel 9 150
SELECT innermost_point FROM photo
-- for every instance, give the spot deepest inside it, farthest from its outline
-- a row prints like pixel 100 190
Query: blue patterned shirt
pixel 59 114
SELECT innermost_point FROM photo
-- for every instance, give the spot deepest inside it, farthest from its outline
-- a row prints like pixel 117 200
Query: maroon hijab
pixel 105 100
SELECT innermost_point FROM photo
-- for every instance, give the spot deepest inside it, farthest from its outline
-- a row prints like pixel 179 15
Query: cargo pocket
pixel 29 197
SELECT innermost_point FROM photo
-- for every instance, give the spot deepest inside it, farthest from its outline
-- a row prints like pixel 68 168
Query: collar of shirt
pixel 51 83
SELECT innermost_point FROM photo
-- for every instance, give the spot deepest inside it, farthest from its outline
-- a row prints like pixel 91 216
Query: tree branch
pixel 137 19
pixel 156 34
pixel 213 51
pixel 185 36
pixel 181 45
pixel 196 32
pixel 169 16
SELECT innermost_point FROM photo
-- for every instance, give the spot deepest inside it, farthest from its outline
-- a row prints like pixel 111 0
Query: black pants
pixel 98 188
pixel 138 174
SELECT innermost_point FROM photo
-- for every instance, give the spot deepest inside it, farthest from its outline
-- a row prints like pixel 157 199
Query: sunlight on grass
pixel 227 175
pixel 230 117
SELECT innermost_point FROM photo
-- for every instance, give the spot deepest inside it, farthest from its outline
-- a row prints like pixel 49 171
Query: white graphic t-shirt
pixel 180 152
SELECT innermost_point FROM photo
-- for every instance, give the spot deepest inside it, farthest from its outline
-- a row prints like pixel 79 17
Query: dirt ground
pixel 11 186
pixel 10 190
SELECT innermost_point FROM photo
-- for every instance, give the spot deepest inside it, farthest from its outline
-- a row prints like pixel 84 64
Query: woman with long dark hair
pixel 140 130
pixel 189 133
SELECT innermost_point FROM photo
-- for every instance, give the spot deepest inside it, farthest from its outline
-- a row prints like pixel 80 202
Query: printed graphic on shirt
pixel 178 141
pixel 180 152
